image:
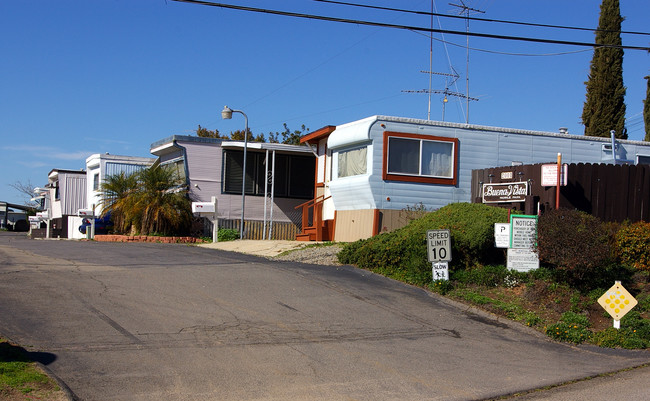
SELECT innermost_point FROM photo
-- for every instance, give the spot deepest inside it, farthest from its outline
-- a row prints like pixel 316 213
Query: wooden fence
pixel 254 229
pixel 610 192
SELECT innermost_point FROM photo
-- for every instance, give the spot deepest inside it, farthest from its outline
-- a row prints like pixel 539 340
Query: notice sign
pixel 523 231
pixel 509 192
pixel 439 245
pixel 522 260
pixel 549 175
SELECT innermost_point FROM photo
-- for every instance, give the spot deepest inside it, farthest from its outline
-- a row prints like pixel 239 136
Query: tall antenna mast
pixel 446 92
pixel 465 9
pixel 431 67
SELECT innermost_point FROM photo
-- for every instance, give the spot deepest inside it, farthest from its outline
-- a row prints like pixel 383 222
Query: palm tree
pixel 116 193
pixel 160 205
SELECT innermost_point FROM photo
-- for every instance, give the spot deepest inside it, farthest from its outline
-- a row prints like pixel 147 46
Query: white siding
pixel 479 147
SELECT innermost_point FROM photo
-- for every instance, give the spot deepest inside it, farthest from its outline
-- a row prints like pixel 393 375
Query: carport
pixel 5 209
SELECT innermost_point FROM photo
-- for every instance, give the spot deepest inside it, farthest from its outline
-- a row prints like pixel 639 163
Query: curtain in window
pixel 436 158
pixel 353 162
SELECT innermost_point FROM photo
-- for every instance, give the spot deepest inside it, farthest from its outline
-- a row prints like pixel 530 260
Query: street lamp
pixel 226 114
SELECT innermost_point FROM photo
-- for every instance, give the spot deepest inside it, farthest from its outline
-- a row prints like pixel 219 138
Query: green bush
pixel 490 276
pixel 633 243
pixel 402 254
pixel 574 243
pixel 572 327
pixel 634 333
pixel 227 234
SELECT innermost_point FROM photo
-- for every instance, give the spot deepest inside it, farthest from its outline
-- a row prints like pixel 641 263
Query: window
pixel 352 162
pixel 96 182
pixel 420 158
pixel 294 174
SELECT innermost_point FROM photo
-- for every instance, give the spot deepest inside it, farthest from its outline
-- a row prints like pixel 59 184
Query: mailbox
pixel 86 213
pixel 202 207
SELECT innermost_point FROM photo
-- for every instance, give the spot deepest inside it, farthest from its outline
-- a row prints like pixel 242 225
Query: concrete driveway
pixel 175 322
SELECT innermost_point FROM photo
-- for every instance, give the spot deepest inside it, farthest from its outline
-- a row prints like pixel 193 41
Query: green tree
pixel 161 205
pixel 646 110
pixel 604 108
pixel 287 136
pixel 116 191
pixel 153 200
pixel 239 136
pixel 206 133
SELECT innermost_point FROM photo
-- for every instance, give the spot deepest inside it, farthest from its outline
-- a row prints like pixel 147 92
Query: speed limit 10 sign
pixel 439 245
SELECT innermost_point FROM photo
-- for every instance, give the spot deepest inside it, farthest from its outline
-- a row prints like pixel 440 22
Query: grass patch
pixel 19 375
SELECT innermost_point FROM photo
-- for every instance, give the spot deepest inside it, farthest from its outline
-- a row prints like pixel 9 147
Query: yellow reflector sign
pixel 617 301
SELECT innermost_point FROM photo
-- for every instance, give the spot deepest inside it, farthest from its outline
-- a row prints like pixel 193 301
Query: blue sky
pixel 79 77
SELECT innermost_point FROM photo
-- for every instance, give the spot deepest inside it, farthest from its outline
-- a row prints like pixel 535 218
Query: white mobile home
pixel 368 171
pixel 213 167
pixel 67 194
pixel 100 166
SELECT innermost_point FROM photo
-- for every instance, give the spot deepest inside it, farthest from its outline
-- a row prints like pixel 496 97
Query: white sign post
pixel 439 253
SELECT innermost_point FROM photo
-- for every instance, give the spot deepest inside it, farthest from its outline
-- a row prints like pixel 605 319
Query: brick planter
pixel 146 238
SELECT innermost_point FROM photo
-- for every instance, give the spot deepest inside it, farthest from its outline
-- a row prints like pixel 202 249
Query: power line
pixel 478 18
pixel 406 27
pixel 476 49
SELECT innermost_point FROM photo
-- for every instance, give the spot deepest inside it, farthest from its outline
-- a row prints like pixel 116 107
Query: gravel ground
pixel 319 255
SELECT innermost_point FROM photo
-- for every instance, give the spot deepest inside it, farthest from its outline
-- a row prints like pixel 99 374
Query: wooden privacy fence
pixel 609 192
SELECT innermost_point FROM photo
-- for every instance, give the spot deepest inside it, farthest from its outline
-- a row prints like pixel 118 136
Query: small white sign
pixel 440 270
pixel 502 235
pixel 549 175
pixel 522 260
pixel 439 245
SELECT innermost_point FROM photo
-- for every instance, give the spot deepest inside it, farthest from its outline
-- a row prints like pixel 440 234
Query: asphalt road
pixel 175 322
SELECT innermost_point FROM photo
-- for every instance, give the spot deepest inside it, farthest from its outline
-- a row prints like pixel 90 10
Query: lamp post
pixel 226 114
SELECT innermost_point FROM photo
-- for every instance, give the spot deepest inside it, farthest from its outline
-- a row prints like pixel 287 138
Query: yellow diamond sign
pixel 617 301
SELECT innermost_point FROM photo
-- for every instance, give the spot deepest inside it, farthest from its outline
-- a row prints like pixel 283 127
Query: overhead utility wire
pixel 406 27
pixel 478 18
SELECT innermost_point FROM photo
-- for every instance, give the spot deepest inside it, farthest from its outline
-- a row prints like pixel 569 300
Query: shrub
pixel 572 327
pixel 402 254
pixel 227 234
pixel 574 242
pixel 634 333
pixel 633 243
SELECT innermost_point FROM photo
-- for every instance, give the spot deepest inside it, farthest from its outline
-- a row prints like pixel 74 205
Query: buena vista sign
pixel 506 192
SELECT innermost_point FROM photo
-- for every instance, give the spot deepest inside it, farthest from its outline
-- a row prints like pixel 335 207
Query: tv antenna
pixel 450 79
pixel 465 9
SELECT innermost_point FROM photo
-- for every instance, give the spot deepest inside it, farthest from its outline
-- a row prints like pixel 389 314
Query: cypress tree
pixel 604 108
pixel 646 111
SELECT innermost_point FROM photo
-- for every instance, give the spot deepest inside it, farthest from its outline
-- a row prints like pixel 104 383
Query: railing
pixel 316 205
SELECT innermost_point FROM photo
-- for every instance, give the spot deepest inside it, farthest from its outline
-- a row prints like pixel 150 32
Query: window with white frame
pixel 352 162
pixel 420 158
